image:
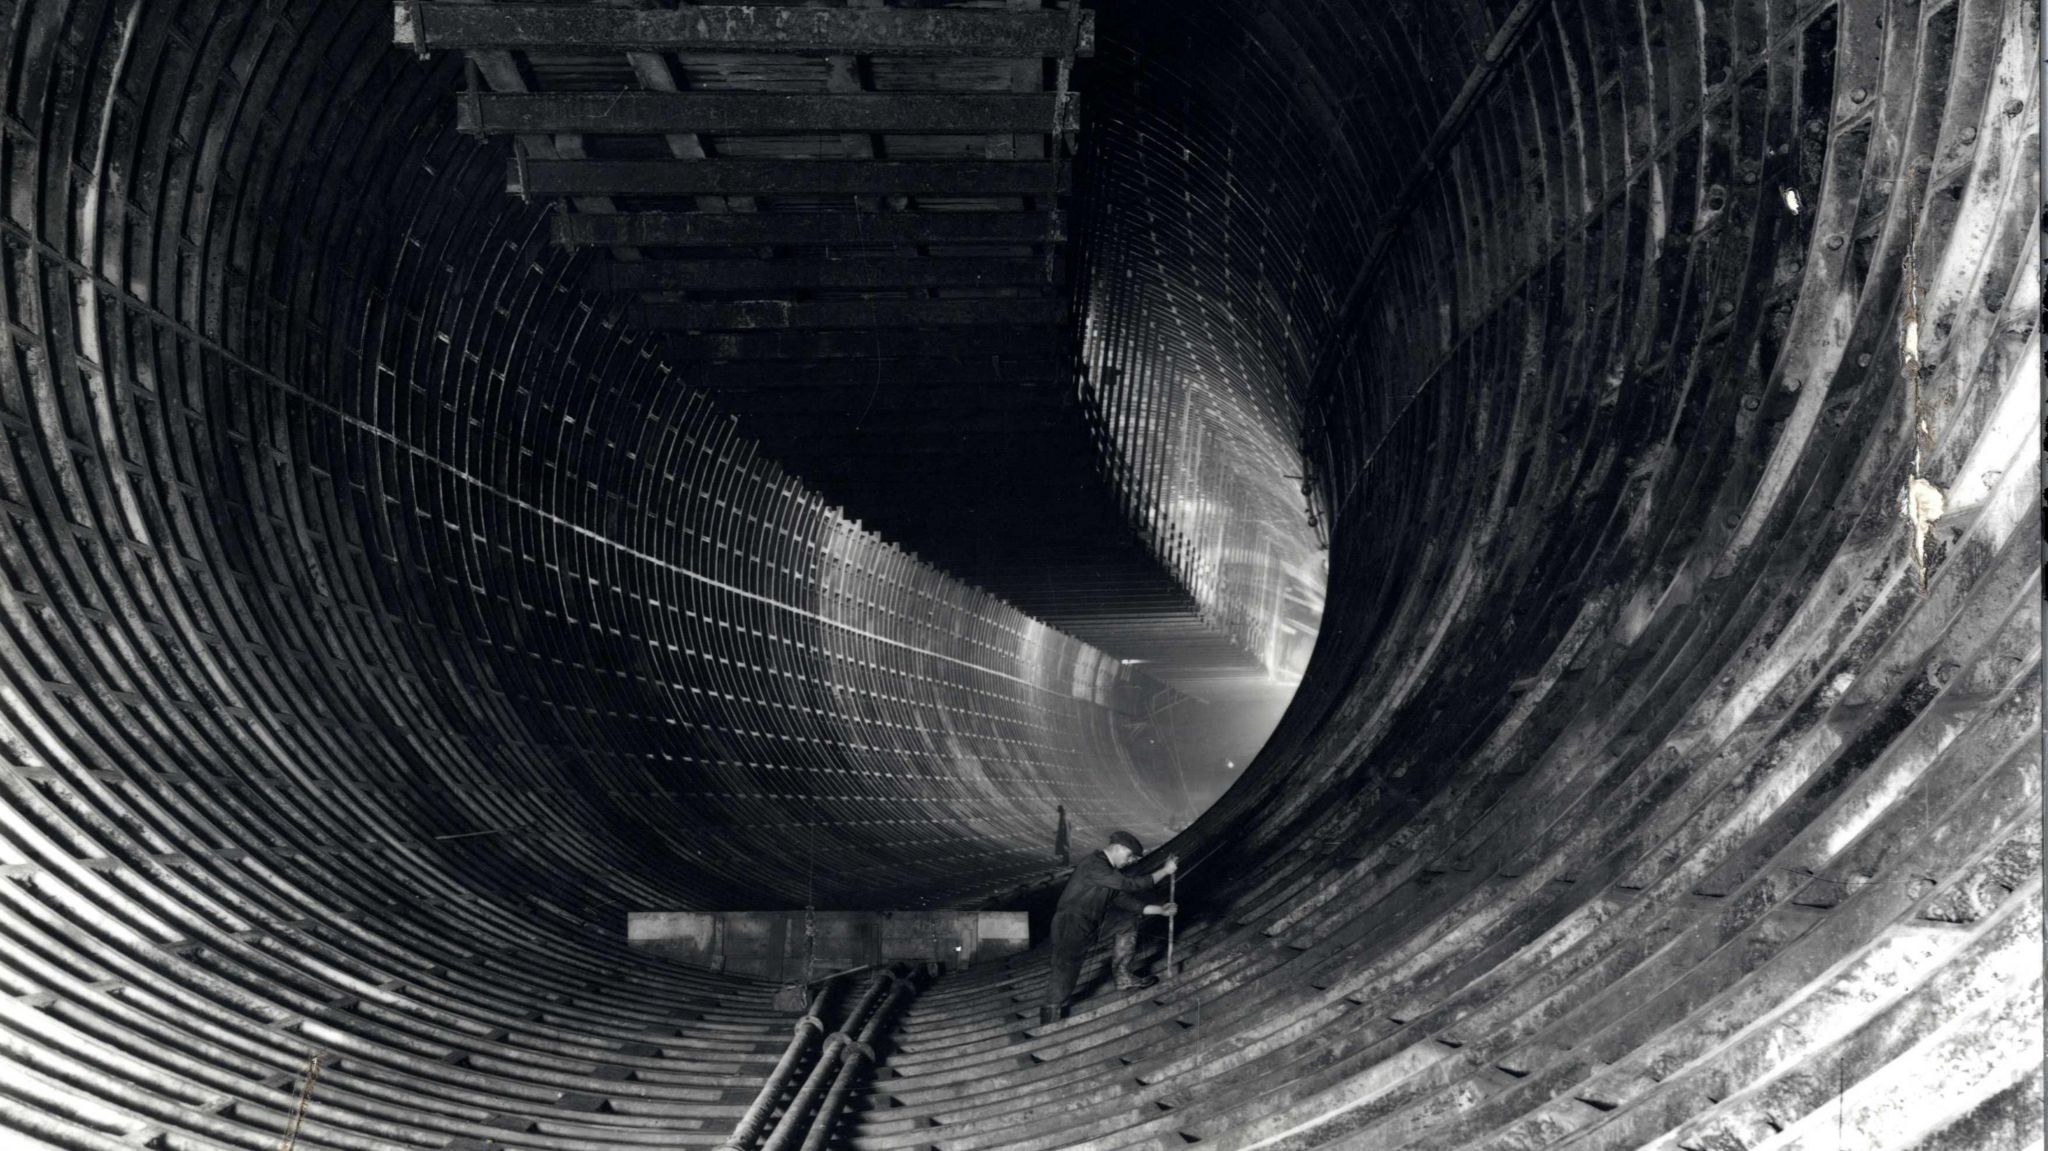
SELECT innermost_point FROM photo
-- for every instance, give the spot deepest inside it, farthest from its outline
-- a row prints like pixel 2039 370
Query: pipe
pixel 784 1135
pixel 850 1067
pixel 750 1124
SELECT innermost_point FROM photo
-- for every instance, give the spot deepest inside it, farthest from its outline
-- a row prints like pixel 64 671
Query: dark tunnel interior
pixel 1536 503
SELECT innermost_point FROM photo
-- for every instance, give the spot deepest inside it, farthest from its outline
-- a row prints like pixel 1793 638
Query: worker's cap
pixel 1122 838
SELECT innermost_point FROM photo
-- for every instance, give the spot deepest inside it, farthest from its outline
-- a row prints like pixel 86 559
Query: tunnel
pixel 1534 504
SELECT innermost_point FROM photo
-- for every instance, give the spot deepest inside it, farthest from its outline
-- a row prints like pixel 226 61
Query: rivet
pixel 1750 403
pixel 1834 243
pixel 1859 95
pixel 2015 107
pixel 1794 383
pixel 1723 307
pixel 1967 135
pixel 1863 361
pixel 1732 522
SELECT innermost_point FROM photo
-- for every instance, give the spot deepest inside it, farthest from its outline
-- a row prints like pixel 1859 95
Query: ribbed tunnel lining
pixel 1645 789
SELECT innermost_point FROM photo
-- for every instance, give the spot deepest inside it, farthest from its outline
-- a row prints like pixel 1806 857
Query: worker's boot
pixel 1047 1016
pixel 1125 953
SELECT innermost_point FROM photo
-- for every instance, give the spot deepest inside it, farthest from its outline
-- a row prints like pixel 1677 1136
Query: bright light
pixel 1791 199
pixel 1230 764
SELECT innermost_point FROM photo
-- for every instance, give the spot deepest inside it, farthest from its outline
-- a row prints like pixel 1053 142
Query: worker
pixel 1060 849
pixel 1099 885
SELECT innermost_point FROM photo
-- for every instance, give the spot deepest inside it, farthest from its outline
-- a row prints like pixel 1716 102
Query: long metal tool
pixel 1172 898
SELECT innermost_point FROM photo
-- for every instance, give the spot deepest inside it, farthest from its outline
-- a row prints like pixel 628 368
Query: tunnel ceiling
pixel 859 252
pixel 384 612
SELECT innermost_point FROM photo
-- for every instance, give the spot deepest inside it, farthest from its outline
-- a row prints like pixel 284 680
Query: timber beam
pixel 661 113
pixel 1040 371
pixel 786 178
pixel 785 315
pixel 936 401
pixel 827 432
pixel 745 28
pixel 742 229
pixel 798 273
pixel 874 344
pixel 845 445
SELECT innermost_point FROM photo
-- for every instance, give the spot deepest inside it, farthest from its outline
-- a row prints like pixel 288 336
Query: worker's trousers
pixel 1071 936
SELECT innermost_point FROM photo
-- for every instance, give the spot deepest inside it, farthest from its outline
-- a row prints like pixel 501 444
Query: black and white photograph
pixel 1021 575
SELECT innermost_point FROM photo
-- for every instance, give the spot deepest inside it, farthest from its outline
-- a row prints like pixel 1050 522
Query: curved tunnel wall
pixel 326 489
pixel 1642 768
pixel 1651 426
pixel 1623 364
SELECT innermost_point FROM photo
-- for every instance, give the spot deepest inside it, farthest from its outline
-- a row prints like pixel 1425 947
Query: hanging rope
pixel 1187 797
pixel 810 918
pixel 291 1131
pixel 796 995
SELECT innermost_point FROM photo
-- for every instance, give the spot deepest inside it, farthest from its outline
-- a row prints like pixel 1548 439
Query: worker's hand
pixel 1171 866
pixel 1167 909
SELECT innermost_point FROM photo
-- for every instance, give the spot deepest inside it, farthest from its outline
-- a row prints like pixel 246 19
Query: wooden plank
pixel 666 113
pixel 1026 75
pixel 983 373
pixel 880 343
pixel 802 272
pixel 937 399
pixel 501 72
pixel 786 178
pixel 844 73
pixel 793 453
pixel 653 71
pixel 853 422
pixel 698 229
pixel 785 315
pixel 746 28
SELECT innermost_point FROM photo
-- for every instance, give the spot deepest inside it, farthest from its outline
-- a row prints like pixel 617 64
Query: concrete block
pixel 1000 934
pixel 691 936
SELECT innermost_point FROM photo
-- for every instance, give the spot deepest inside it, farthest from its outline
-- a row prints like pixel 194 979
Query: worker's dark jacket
pixel 1094 889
